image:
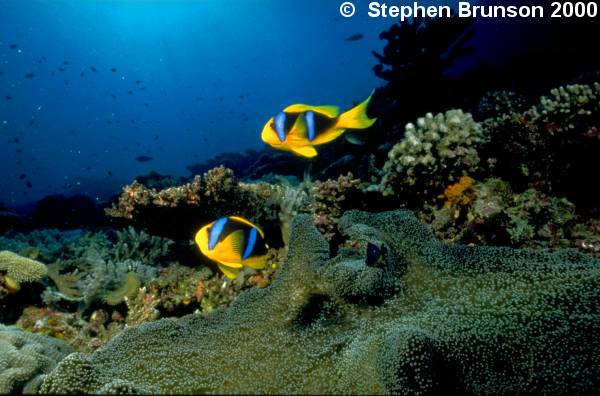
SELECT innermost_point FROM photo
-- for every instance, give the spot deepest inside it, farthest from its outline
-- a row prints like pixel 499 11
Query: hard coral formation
pixel 215 194
pixel 551 146
pixel 25 358
pixel 427 317
pixel 19 269
pixel 331 198
pixel 433 153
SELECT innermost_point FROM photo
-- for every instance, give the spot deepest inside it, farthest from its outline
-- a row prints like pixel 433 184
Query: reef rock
pixel 395 311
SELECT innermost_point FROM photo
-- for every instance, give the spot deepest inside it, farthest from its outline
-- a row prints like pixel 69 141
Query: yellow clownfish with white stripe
pixel 233 243
pixel 299 128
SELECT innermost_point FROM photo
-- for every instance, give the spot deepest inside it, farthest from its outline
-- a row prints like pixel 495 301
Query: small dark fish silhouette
pixel 355 37
pixel 13 46
pixel 143 88
pixel 113 69
pixel 31 122
pixel 66 62
pixel 8 97
pixel 60 69
pixel 129 92
pixel 81 74
pixel 92 68
pixel 88 168
pixel 29 75
pixel 71 131
pixel 110 173
pixel 29 185
pixel 138 81
pixel 113 95
pixel 156 137
pixel 146 104
pixel 22 176
pixel 143 158
pixel 373 254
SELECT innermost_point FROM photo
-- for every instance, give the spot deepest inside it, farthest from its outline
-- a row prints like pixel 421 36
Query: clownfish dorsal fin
pixel 248 223
pixel 327 111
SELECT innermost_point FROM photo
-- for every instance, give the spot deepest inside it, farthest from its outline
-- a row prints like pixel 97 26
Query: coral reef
pixel 424 317
pixel 491 213
pixel 433 153
pixel 215 194
pixel 84 335
pixel 25 358
pixel 19 269
pixel 551 146
pixel 331 199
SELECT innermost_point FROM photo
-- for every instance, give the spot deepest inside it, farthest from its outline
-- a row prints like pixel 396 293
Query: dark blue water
pixel 89 86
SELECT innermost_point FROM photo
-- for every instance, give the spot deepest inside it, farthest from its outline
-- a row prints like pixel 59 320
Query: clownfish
pixel 299 128
pixel 233 242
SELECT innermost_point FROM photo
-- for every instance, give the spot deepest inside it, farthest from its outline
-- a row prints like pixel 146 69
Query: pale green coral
pixel 567 107
pixel 434 152
pixel 26 357
pixel 20 269
pixel 471 320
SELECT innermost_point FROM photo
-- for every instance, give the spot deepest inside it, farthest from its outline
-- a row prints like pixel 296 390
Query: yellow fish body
pixel 299 128
pixel 233 243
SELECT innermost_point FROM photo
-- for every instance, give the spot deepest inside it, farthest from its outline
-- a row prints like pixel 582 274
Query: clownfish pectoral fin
pixel 305 151
pixel 327 111
pixel 258 262
pixel 229 251
pixel 229 272
pixel 356 117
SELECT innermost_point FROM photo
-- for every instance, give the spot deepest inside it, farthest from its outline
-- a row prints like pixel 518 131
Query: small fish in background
pixel 60 69
pixel 31 122
pixel 66 63
pixel 22 176
pixel 29 75
pixel 8 97
pixel 143 88
pixel 233 243
pixel 143 158
pixel 130 92
pixel 82 74
pixel 109 173
pixel 300 127
pixel 93 68
pixel 113 69
pixel 13 46
pixel 29 185
pixel 138 82
pixel 355 37
pixel 112 95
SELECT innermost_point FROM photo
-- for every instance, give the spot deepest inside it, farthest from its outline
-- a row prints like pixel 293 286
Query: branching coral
pixel 134 245
pixel 426 317
pixel 433 153
pixel 25 358
pixel 20 269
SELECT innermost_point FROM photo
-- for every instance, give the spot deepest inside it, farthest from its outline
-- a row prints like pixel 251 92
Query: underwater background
pixel 267 197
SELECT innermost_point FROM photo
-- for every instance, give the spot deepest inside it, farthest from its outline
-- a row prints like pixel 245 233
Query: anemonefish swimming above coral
pixel 300 127
pixel 233 243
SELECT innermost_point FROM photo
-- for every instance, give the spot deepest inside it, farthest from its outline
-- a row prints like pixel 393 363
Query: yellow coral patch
pixel 456 194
